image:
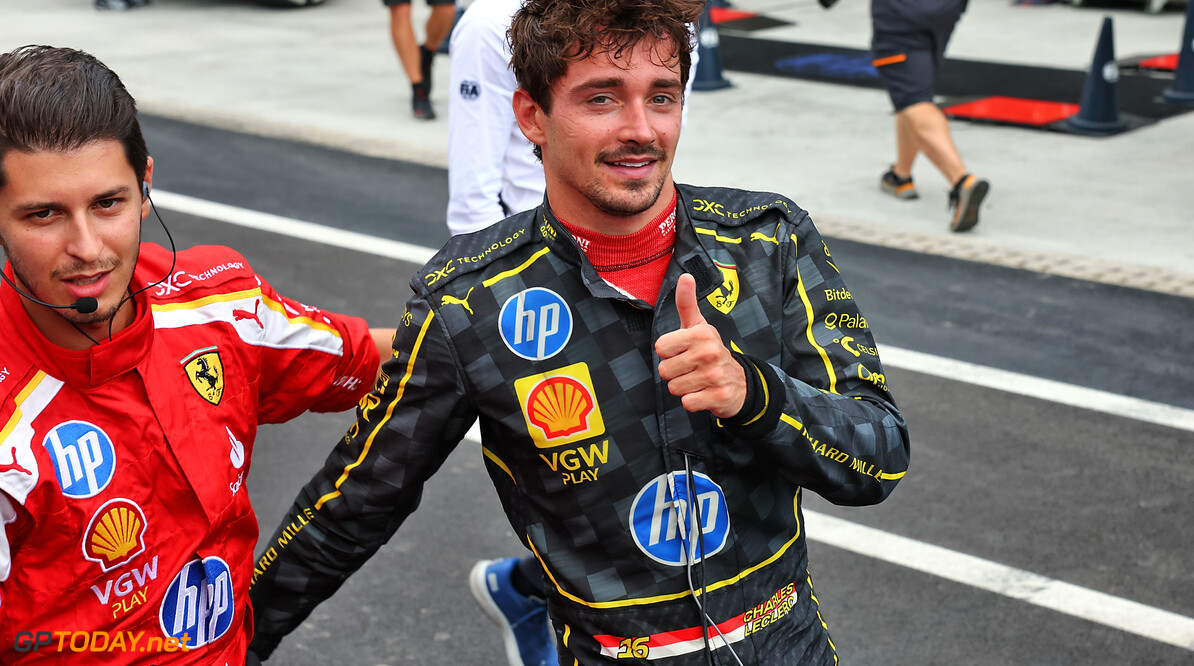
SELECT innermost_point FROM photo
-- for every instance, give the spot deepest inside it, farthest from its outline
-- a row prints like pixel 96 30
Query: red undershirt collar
pixel 637 262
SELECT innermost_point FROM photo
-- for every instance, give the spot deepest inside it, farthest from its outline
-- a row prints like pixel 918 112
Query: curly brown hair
pixel 548 35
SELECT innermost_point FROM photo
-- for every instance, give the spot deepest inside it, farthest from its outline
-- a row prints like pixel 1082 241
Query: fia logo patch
pixel 83 456
pixel 560 407
pixel 115 535
pixel 535 323
pixel 206 372
pixel 470 90
pixel 664 523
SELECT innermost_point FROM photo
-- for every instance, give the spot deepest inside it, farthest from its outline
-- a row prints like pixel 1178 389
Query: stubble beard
pixel 101 316
pixel 626 203
pixel 74 317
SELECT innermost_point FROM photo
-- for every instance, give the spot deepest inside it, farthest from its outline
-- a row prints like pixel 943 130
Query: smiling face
pixel 70 223
pixel 609 141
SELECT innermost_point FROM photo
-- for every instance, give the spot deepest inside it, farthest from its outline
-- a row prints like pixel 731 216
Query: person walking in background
pixel 908 45
pixel 492 168
pixel 416 59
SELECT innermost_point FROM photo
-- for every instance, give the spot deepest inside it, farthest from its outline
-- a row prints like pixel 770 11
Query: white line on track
pixel 1035 387
pixel 286 226
pixel 1003 380
pixel 1118 613
pixel 1122 614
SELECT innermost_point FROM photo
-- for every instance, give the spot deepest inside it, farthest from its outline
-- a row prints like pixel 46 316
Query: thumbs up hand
pixel 695 364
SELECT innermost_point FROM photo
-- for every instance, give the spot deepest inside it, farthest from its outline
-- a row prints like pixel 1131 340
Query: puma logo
pixel 240 315
pixel 758 235
pixel 14 466
pixel 452 300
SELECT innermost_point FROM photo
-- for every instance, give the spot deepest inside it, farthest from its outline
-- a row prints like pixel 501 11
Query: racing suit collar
pixel 98 364
pixel 688 255
pixel 564 246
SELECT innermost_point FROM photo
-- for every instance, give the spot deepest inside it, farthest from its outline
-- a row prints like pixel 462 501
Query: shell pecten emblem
pixel 115 535
pixel 560 407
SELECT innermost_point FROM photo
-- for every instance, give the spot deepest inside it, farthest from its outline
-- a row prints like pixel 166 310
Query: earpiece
pixel 144 190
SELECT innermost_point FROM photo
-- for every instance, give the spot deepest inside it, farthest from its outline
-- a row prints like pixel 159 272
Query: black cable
pixel 694 527
pixel 76 327
pixel 173 263
pixel 706 621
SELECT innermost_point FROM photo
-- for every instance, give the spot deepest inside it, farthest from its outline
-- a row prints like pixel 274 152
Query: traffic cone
pixel 708 70
pixel 1182 91
pixel 1099 113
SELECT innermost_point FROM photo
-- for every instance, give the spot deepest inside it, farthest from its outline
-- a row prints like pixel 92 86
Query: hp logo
pixel 199 602
pixel 83 458
pixel 535 323
pixel 662 519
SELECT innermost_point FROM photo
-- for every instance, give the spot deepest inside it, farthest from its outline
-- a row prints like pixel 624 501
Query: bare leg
pixel 925 127
pixel 405 43
pixel 906 150
pixel 439 24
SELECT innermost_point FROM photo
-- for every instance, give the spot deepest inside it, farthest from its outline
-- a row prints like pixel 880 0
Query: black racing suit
pixel 594 459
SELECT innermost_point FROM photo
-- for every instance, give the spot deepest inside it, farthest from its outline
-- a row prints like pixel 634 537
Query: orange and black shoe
pixel 900 188
pixel 965 199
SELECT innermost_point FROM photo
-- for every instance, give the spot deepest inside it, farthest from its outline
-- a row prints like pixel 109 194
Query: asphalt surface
pixel 1080 496
pixel 1089 498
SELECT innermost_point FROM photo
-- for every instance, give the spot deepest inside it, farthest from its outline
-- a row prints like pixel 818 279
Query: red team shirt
pixel 122 467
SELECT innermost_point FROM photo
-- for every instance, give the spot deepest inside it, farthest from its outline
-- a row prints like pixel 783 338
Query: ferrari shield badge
pixel 726 296
pixel 206 372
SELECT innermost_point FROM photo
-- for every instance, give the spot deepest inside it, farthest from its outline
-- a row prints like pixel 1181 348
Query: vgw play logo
pixel 663 519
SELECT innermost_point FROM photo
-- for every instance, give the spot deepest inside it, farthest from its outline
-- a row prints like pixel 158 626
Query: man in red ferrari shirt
pixel 132 382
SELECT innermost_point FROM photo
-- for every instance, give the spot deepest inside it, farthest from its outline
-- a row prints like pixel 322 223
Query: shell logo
pixel 115 535
pixel 560 407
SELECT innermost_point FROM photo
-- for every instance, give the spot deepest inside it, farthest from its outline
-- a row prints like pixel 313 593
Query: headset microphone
pixel 85 305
